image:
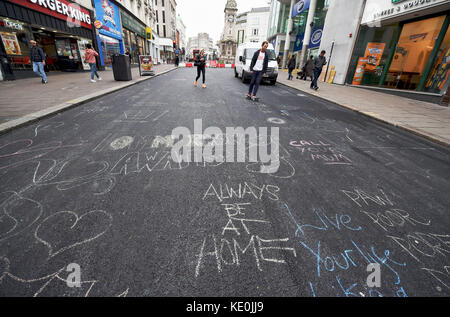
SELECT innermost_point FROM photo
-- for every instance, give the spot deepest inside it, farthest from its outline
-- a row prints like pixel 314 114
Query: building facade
pixel 199 42
pixel 62 37
pixel 402 45
pixel 181 38
pixel 289 19
pixel 166 28
pixel 339 38
pixel 253 26
pixel 228 41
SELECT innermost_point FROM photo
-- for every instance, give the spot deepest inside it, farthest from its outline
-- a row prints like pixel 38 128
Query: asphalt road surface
pixel 95 187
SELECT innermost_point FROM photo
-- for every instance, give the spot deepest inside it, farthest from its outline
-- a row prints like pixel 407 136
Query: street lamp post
pixel 329 60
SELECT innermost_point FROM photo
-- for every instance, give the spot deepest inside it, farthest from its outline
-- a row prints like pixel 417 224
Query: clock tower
pixel 228 41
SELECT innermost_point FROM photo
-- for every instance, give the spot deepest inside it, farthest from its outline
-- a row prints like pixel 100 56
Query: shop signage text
pixel 397 7
pixel 314 41
pixel 11 25
pixel 131 24
pixel 61 9
pixel 299 7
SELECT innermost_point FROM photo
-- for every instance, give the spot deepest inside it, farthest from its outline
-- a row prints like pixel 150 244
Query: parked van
pixel 244 55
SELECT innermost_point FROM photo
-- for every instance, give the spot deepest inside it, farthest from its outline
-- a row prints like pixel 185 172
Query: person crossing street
pixel 37 57
pixel 200 62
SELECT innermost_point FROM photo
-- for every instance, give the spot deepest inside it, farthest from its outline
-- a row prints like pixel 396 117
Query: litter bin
pixel 121 67
pixel 5 68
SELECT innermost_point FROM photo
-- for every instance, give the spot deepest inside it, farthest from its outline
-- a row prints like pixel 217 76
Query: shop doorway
pixel 62 51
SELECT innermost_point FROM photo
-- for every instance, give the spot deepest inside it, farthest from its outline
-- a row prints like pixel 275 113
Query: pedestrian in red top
pixel 89 58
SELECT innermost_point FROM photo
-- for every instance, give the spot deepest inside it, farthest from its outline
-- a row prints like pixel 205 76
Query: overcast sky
pixel 208 16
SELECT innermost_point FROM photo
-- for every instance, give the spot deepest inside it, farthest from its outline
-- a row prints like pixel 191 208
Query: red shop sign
pixel 62 9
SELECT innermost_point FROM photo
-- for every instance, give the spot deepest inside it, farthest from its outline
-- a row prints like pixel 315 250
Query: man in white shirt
pixel 258 68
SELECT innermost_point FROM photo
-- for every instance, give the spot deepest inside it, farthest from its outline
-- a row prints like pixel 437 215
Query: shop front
pixel 61 28
pixel 403 45
pixel 109 31
pixel 133 33
pixel 166 50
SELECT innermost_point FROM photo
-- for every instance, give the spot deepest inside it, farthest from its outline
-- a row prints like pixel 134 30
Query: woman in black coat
pixel 200 62
pixel 291 67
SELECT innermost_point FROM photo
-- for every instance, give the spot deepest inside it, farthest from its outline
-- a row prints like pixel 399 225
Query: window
pixel 162 3
pixel 368 37
pixel 157 29
pixel 438 80
pixel 164 16
pixel 157 19
pixel 255 32
pixel 164 31
pixel 412 53
pixel 15 38
pixel 250 51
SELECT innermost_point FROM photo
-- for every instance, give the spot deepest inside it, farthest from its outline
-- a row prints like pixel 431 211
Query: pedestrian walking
pixel 308 69
pixel 258 69
pixel 177 61
pixel 37 57
pixel 200 62
pixel 319 61
pixel 291 67
pixel 89 57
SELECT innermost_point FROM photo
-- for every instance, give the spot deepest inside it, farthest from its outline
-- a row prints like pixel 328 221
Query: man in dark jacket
pixel 37 57
pixel 319 61
pixel 291 67
pixel 258 69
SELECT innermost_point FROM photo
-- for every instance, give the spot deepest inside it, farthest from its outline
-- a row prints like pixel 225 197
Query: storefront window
pixel 438 80
pixel 133 44
pixel 126 39
pixel 63 48
pixel 371 54
pixel 412 53
pixel 110 47
pixel 141 42
pixel 15 37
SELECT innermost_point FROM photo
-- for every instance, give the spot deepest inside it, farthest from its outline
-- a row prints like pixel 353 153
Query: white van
pixel 244 55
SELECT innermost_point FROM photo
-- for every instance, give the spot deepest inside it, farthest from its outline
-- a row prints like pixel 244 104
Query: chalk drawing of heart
pixel 62 230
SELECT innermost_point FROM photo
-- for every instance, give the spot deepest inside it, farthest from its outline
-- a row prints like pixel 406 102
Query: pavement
pixel 26 100
pixel 95 186
pixel 422 118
